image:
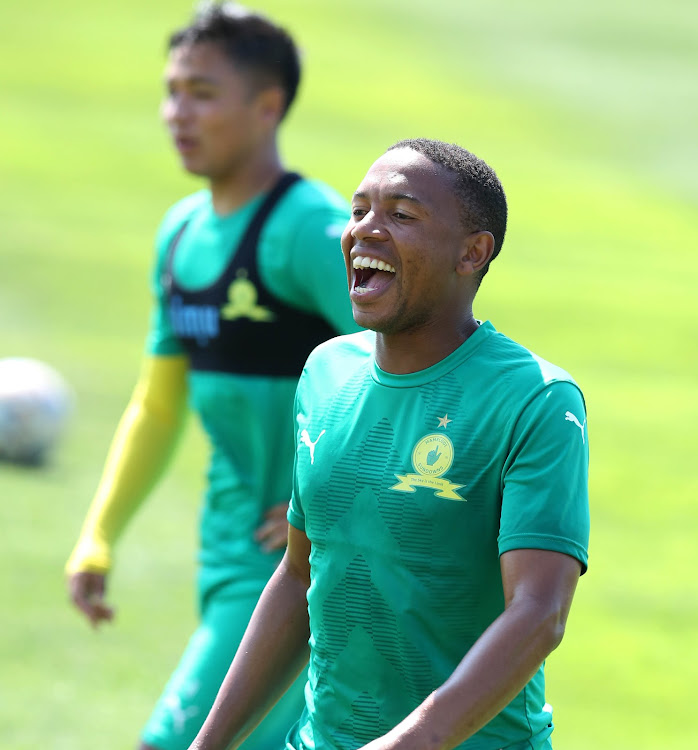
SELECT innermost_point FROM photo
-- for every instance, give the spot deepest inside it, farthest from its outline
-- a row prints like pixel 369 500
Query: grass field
pixel 589 113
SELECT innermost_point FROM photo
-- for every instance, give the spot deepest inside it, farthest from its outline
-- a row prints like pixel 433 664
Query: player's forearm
pixel 143 443
pixel 491 675
pixel 272 653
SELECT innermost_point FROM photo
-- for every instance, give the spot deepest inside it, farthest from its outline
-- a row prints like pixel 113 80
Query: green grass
pixel 589 114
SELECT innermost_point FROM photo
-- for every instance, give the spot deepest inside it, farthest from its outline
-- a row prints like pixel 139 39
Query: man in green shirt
pixel 439 517
pixel 248 280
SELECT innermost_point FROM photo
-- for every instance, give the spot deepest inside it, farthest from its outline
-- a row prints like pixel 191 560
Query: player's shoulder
pixel 524 365
pixel 512 380
pixel 307 221
pixel 359 345
pixel 314 195
pixel 338 358
pixel 309 207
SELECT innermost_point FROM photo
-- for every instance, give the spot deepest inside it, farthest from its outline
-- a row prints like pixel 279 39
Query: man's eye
pixel 400 215
pixel 358 212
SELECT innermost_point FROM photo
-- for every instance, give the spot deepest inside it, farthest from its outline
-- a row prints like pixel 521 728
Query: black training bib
pixel 236 324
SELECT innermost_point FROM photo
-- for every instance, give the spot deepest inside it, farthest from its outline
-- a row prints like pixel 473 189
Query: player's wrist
pixel 89 557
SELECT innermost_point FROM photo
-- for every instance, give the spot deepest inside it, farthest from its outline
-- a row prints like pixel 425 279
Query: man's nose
pixel 369 228
pixel 176 108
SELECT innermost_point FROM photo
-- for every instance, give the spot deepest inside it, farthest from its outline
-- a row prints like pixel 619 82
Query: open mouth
pixel 185 145
pixel 371 274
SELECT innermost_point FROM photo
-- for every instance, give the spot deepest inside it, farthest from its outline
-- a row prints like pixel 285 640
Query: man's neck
pixel 251 178
pixel 412 351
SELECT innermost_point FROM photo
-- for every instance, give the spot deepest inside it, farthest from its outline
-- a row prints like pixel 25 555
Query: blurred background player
pixel 248 280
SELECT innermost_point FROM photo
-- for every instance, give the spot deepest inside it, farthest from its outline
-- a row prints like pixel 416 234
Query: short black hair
pixel 256 45
pixel 481 195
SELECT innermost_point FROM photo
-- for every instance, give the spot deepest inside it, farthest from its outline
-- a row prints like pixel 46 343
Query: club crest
pixel 432 457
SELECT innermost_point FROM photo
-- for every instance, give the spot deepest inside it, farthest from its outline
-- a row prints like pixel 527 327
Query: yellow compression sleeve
pixel 140 450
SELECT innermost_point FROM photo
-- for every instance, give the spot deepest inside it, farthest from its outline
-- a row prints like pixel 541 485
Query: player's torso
pixel 401 493
pixel 246 348
pixel 248 422
pixel 407 482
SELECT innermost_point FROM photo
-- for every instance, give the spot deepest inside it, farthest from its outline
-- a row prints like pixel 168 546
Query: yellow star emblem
pixel 443 421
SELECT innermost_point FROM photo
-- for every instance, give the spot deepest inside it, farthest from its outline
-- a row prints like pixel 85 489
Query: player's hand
pixel 87 594
pixel 273 533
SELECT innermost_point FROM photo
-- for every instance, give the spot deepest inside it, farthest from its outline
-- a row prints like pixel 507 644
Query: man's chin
pixel 194 172
pixel 193 167
pixel 373 320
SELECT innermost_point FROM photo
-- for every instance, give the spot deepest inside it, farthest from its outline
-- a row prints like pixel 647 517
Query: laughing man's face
pixel 402 244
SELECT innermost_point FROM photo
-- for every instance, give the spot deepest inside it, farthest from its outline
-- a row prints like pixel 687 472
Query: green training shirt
pixel 249 418
pixel 409 488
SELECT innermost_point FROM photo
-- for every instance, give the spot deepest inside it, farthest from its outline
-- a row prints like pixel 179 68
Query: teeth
pixel 363 261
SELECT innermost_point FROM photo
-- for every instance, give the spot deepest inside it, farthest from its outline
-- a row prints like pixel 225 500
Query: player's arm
pixel 140 449
pixel 271 655
pixel 538 587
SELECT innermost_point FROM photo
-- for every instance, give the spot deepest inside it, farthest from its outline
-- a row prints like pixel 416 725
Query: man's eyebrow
pixel 190 80
pixel 392 197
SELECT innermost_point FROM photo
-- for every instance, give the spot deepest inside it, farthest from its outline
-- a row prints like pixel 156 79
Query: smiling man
pixel 439 517
pixel 248 280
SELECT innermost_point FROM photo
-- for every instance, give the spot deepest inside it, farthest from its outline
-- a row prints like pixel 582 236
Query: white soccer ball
pixel 35 404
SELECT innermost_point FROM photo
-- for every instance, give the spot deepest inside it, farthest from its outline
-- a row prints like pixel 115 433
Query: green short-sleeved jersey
pixel 409 488
pixel 249 418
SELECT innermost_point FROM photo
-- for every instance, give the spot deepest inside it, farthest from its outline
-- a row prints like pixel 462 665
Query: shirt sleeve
pixel 295 514
pixel 545 501
pixel 161 340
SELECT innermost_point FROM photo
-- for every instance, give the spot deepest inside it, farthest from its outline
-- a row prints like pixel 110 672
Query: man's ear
pixel 477 251
pixel 270 105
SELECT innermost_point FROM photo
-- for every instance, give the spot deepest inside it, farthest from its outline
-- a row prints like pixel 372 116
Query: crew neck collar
pixel 438 370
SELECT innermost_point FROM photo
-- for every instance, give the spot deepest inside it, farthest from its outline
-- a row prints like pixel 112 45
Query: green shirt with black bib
pixel 247 296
